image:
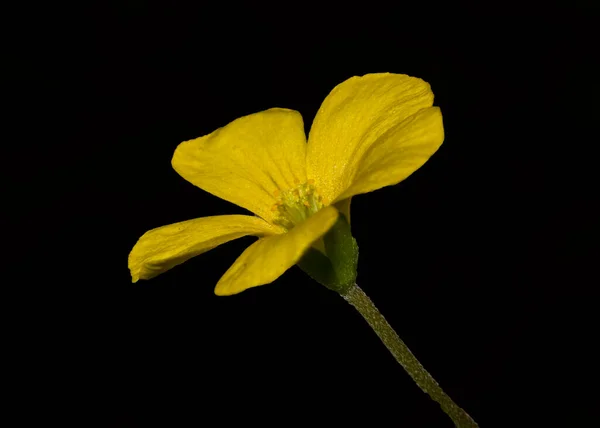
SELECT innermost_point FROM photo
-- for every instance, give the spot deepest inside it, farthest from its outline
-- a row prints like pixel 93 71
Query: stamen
pixel 295 205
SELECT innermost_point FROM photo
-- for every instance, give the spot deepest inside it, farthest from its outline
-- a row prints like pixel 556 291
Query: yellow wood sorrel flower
pixel 370 132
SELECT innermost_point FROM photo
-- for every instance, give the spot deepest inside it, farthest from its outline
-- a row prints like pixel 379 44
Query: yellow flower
pixel 370 132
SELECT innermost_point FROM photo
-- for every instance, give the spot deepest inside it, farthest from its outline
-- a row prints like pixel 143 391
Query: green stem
pixel 357 298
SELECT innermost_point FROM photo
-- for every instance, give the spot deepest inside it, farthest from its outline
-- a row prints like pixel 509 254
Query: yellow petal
pixel 160 249
pixel 399 153
pixel 352 118
pixel 248 160
pixel 344 208
pixel 268 258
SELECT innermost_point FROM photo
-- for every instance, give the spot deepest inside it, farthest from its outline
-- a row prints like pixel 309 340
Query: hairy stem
pixel 357 298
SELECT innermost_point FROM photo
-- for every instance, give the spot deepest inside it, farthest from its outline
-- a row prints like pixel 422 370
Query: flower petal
pixel 352 118
pixel 399 153
pixel 268 258
pixel 160 249
pixel 247 160
pixel 343 207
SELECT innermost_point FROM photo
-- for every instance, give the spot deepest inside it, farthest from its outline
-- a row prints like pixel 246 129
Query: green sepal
pixel 337 269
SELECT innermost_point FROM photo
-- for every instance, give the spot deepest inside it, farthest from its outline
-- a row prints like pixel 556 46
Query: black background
pixel 480 260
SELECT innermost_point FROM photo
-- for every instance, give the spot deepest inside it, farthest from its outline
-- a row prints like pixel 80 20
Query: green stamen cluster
pixel 296 205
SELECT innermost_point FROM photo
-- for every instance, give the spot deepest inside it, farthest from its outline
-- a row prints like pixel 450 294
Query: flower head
pixel 370 132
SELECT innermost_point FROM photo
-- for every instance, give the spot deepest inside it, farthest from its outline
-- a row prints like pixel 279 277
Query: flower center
pixel 297 204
